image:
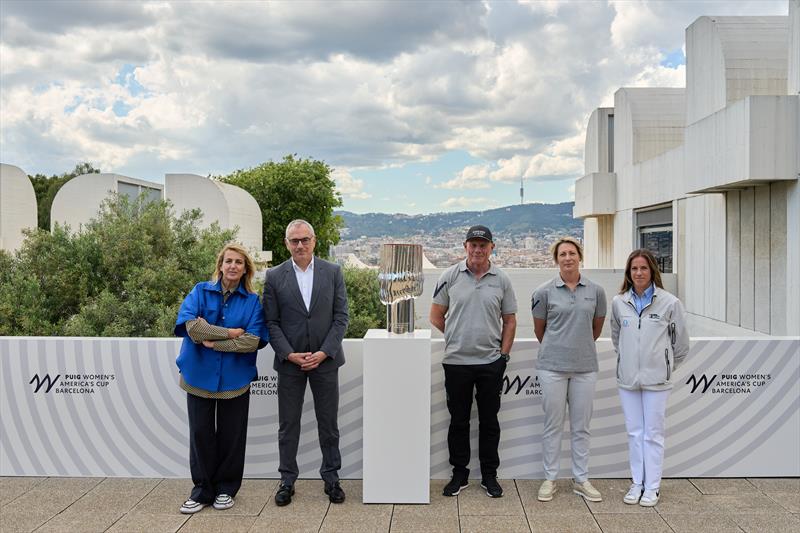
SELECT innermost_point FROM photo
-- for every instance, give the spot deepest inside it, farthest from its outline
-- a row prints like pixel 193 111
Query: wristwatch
pixel 506 356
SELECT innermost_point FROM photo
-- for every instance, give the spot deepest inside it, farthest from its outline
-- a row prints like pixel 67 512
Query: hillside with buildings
pixel 513 220
pixel 522 233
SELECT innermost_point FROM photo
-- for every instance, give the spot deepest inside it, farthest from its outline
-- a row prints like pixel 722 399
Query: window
pixel 132 191
pixel 128 189
pixel 654 233
pixel 611 142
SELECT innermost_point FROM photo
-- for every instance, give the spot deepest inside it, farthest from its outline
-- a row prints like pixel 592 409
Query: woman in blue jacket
pixel 222 325
pixel 648 329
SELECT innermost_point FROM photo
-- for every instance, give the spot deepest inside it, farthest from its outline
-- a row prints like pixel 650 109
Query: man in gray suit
pixel 305 306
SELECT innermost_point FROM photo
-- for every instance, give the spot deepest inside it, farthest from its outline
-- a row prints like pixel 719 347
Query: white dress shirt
pixel 305 280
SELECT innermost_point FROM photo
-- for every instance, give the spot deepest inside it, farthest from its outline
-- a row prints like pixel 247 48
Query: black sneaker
pixel 492 487
pixel 458 483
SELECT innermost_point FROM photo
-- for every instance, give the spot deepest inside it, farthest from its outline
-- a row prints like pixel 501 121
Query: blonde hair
pixel 566 240
pixel 249 266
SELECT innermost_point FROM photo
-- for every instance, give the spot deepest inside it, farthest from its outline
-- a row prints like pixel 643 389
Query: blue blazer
pixel 209 369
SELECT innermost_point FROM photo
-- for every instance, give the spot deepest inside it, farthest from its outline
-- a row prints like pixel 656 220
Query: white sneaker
pixel 634 493
pixel 222 502
pixel 190 506
pixel 649 498
pixel 546 490
pixel 586 490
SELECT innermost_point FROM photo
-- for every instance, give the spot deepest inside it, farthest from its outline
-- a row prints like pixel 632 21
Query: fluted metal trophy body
pixel 401 281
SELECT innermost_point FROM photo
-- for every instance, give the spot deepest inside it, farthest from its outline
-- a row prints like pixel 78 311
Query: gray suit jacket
pixel 293 328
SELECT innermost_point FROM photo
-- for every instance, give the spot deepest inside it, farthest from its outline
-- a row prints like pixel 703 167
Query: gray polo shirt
pixel 568 343
pixel 473 324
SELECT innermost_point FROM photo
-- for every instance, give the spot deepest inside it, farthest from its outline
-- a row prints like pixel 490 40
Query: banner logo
pixel 530 385
pixel 703 380
pixel 729 383
pixel 46 381
pixel 72 383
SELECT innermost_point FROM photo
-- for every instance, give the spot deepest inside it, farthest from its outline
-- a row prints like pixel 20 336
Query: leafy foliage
pixel 366 309
pixel 293 188
pixel 124 275
pixel 46 188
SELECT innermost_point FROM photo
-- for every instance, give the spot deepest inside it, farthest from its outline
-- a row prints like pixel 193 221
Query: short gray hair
pixel 298 222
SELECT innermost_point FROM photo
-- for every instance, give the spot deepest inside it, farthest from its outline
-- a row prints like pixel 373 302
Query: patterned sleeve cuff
pixel 199 330
pixel 244 344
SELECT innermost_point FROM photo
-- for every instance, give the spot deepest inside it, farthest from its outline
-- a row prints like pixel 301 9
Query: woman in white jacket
pixel 648 329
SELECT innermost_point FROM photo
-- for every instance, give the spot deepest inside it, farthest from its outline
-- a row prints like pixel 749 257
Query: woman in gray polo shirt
pixel 568 314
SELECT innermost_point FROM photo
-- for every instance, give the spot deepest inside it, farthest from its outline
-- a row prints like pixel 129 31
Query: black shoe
pixel 492 487
pixel 335 492
pixel 459 482
pixel 284 495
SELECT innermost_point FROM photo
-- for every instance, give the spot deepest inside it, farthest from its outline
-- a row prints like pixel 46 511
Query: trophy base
pixel 400 316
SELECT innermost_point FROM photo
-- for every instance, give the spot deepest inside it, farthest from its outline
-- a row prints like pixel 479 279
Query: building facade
pixel 706 176
pixel 79 200
pixel 17 207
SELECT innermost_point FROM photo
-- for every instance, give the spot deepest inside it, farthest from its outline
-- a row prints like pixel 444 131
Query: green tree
pixel 293 188
pixel 124 275
pixel 46 189
pixel 366 309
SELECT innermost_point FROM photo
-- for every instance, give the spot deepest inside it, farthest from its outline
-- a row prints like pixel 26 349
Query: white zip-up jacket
pixel 650 345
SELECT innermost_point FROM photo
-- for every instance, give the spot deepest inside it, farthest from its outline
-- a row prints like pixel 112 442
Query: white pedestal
pixel 397 417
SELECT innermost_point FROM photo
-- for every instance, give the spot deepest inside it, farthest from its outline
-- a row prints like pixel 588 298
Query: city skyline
pixel 443 107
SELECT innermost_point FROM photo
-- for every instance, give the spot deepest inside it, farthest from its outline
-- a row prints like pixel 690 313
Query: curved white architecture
pixel 734 57
pixel 707 176
pixel 17 206
pixel 78 201
pixel 226 204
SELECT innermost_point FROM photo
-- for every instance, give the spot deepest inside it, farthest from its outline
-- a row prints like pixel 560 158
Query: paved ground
pixel 151 505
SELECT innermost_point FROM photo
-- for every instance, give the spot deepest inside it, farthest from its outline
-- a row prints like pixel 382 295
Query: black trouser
pixel 291 392
pixel 217 439
pixel 459 383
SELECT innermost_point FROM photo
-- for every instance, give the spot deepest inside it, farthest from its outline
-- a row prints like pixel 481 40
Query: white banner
pixel 112 407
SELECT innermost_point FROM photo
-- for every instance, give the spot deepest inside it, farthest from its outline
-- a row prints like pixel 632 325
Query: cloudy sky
pixel 419 106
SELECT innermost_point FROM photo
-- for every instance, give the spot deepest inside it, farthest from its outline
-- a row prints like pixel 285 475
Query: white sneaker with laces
pixel 649 498
pixel 634 493
pixel 222 502
pixel 190 506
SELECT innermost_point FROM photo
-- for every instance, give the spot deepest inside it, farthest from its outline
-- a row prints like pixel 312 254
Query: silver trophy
pixel 401 281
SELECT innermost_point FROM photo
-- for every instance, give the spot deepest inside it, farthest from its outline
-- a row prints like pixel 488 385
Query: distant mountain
pixel 511 220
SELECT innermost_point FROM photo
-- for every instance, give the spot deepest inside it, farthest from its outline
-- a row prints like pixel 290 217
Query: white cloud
pixel 356 84
pixel 349 186
pixel 462 202
pixel 470 177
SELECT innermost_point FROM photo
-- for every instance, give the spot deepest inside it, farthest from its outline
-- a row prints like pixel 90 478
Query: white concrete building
pixel 707 176
pixel 78 201
pixel 17 207
pixel 226 204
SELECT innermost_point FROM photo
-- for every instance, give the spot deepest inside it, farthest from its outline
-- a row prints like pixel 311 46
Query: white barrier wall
pixel 112 407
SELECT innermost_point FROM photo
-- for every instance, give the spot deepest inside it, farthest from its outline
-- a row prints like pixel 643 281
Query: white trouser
pixel 560 389
pixel 644 420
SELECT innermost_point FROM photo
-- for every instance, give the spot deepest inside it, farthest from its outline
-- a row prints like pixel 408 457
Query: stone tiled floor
pixel 84 505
